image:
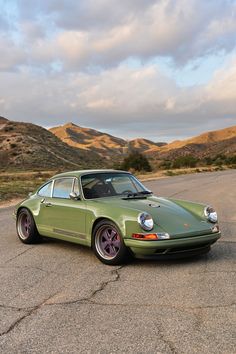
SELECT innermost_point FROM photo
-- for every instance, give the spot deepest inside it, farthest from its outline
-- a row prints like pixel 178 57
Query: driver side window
pixel 62 188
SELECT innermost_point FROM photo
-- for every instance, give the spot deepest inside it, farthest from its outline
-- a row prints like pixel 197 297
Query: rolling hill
pixel 208 144
pixel 144 145
pixel 88 139
pixel 104 144
pixel 27 146
pixel 205 145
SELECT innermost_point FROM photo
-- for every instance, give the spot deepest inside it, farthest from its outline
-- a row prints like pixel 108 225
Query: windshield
pixel 100 185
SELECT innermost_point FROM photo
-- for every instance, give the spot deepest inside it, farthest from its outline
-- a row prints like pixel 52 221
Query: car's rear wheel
pixel 108 244
pixel 26 228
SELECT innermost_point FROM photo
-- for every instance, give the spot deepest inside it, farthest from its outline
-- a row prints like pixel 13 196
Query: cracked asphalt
pixel 56 297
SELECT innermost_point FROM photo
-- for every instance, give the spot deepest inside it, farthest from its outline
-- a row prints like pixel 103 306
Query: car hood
pixel 170 216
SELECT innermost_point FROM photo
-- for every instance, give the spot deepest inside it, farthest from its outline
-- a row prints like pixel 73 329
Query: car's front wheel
pixel 108 244
pixel 26 228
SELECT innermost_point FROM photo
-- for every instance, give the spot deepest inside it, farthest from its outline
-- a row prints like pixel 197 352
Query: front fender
pixel 119 216
pixel 32 203
pixel 126 219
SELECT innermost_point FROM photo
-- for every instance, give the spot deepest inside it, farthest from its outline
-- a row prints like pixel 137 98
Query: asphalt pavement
pixel 56 297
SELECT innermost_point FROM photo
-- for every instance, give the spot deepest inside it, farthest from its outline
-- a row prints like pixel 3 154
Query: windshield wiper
pixel 145 192
pixel 142 194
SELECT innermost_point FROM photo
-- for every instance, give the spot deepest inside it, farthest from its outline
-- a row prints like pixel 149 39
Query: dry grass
pixel 19 184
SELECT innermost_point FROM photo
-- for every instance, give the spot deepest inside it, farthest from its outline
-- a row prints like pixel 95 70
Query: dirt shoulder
pixel 9 203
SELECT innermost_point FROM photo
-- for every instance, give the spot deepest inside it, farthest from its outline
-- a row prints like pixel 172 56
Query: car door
pixel 61 216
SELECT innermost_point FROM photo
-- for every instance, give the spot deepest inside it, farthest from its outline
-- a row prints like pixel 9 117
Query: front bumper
pixel 172 247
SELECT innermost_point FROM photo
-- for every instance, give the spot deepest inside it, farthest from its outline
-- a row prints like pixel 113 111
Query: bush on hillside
pixel 136 161
pixel 220 160
pixel 185 161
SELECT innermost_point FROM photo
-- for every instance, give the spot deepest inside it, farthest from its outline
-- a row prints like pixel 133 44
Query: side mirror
pixel 74 196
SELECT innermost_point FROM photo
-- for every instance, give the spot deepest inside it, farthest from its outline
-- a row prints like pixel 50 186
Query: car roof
pixel 86 172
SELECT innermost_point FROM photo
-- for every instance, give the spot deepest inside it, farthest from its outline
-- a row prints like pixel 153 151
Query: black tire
pixel 26 228
pixel 109 249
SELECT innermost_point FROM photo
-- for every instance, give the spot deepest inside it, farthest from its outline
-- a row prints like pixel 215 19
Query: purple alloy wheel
pixel 23 226
pixel 107 242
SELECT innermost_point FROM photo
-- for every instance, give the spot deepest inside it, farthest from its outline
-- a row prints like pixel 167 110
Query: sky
pixel 158 69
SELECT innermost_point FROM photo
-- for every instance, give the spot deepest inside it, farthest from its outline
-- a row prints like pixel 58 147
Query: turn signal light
pixel 158 236
pixel 145 236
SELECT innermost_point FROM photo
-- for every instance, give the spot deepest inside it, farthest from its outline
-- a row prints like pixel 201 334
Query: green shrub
pixel 209 161
pixel 231 160
pixel 166 165
pixel 185 161
pixel 136 161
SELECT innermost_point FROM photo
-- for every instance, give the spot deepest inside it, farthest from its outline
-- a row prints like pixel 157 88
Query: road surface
pixel 56 297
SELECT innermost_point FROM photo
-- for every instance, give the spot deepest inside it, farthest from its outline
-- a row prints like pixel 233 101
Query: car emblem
pixel 186 225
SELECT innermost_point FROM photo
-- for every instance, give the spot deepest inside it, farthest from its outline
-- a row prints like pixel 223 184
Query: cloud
pixel 31 31
pixel 220 93
pixel 11 55
pixel 104 33
pixel 125 101
pixel 95 62
pixel 85 14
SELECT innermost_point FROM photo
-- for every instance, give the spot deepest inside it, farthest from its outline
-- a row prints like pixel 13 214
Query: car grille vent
pixel 181 249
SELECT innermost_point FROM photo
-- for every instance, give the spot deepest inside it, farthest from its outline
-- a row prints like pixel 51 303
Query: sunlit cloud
pixel 97 63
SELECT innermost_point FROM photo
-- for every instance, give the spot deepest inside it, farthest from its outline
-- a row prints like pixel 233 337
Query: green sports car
pixel 112 212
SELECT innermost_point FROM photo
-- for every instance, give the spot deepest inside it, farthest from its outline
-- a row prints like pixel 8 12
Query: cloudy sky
pixel 159 69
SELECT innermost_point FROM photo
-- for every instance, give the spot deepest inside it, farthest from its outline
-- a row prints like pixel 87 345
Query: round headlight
pixel 145 221
pixel 210 214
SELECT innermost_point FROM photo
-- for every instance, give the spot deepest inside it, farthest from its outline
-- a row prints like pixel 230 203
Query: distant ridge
pixel 208 144
pixel 88 139
pixel 110 147
pixel 104 144
pixel 144 145
pixel 205 138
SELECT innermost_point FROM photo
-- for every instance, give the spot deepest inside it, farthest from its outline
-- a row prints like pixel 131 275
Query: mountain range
pixel 29 146
pixel 104 144
pixel 205 145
